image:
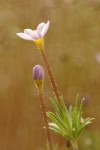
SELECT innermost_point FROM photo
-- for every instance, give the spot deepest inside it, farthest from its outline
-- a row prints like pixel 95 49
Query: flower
pixel 38 72
pixel 38 75
pixel 36 35
pixel 32 35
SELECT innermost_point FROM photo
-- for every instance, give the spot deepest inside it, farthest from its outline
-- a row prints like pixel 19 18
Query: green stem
pixel 74 145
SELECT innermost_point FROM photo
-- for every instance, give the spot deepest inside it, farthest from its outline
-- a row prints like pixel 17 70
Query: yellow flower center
pixel 40 43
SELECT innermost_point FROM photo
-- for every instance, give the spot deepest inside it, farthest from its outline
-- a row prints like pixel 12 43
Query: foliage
pixel 68 122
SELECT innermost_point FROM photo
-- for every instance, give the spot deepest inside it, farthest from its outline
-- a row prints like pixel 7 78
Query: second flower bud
pixel 38 76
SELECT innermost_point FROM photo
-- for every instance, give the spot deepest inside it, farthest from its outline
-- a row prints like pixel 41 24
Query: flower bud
pixel 38 75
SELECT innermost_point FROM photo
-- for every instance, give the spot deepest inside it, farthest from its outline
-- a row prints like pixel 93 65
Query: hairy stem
pixel 43 109
pixel 51 77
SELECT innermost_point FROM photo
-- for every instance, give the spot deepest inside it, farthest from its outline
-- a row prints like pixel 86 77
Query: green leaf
pixel 62 114
pixel 56 128
pixel 84 124
pixel 80 114
pixel 58 121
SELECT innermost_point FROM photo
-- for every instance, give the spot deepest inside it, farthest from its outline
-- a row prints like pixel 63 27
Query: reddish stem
pixel 43 109
pixel 51 77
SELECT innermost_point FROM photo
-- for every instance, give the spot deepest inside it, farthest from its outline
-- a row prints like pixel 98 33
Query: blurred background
pixel 73 49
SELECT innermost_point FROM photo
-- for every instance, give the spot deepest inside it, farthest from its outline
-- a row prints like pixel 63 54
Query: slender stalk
pixel 53 82
pixel 75 146
pixel 43 109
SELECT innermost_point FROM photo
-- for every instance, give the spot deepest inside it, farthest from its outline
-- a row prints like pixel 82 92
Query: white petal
pixel 40 27
pixel 24 36
pixel 45 29
pixel 36 35
pixel 28 32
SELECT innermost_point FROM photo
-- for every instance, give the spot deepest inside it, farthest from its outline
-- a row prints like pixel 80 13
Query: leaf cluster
pixel 68 122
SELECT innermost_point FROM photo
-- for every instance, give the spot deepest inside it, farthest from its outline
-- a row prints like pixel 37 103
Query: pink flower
pixel 37 34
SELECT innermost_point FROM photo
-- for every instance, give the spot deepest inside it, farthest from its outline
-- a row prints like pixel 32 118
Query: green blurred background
pixel 73 49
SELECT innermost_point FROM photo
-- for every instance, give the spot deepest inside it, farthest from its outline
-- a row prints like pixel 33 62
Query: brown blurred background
pixel 73 49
